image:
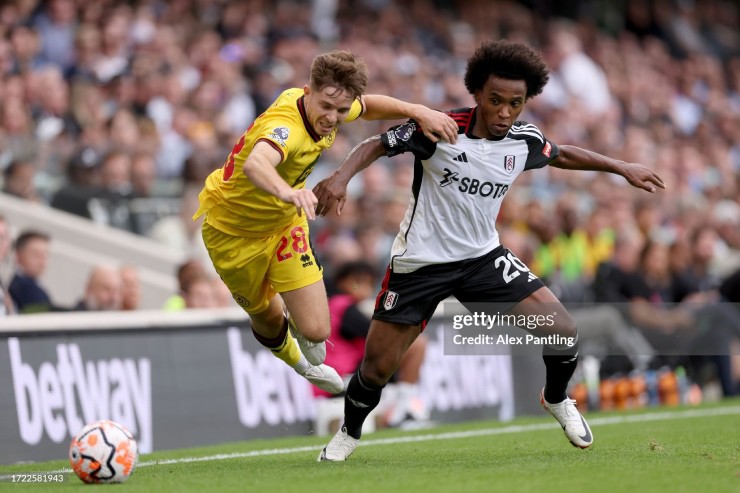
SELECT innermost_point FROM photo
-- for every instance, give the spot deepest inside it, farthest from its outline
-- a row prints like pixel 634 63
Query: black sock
pixel 360 399
pixel 560 363
pixel 275 343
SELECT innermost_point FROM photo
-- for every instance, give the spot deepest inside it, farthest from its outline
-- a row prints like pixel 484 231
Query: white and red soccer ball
pixel 103 452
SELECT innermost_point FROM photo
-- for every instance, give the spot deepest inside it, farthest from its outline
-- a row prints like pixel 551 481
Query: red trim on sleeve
pixel 274 146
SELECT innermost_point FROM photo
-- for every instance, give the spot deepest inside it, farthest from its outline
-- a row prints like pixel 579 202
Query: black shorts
pixel 497 277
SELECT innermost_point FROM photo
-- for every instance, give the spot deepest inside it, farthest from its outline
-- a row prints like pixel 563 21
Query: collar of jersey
pixel 302 110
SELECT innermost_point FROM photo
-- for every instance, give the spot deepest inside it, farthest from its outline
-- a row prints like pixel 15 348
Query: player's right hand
pixel 437 125
pixel 640 176
pixel 303 199
pixel 330 191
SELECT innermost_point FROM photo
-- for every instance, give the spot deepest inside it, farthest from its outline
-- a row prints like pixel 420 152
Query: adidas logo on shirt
pixel 462 158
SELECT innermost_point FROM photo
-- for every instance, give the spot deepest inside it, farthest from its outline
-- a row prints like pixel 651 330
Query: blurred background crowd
pixel 117 111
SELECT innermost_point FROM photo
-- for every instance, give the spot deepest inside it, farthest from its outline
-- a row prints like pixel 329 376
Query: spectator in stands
pixel 55 124
pixel 190 269
pixel 146 206
pixel 613 277
pixel 197 292
pixel 19 178
pixel 575 78
pixel 198 289
pixel 599 240
pixel 726 219
pixel 82 181
pixel 124 130
pixel 31 256
pixel 56 23
pixel 87 51
pixel 110 204
pixel 704 243
pixel 682 328
pixel 103 290
pixel 143 174
pixel 569 251
pixel 17 128
pixel 6 304
pixel 221 293
pixel 130 287
pixel 338 251
pixel 640 276
pixel 25 43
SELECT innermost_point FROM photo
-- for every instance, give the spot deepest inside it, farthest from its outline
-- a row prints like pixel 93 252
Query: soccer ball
pixel 103 452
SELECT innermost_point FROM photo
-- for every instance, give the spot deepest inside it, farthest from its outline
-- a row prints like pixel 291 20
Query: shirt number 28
pixel 296 242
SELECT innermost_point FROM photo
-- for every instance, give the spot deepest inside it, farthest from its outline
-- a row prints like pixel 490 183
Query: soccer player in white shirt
pixel 448 244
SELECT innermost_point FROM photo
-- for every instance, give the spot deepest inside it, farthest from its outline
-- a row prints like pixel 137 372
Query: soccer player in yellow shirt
pixel 257 208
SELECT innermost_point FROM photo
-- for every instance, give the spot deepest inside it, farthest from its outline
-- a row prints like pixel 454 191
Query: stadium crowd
pixel 117 111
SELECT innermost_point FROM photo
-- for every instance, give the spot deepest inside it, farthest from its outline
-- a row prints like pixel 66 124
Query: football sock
pixel 560 363
pixel 360 399
pixel 283 346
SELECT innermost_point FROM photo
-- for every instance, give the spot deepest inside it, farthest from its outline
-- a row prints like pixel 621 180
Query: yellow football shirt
pixel 235 205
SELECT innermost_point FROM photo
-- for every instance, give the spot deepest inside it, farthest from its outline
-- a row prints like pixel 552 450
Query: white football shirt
pixel 458 189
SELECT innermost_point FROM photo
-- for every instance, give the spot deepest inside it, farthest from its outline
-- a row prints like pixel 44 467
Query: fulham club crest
pixel 391 298
pixel 509 163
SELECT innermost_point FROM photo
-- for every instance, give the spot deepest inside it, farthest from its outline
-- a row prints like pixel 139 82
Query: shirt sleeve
pixel 407 137
pixel 280 134
pixel 541 151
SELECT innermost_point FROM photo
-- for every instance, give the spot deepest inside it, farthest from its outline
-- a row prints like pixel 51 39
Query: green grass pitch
pixel 687 449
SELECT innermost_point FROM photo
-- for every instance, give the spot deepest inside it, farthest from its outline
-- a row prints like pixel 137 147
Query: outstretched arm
pixel 638 175
pixel 260 169
pixel 333 190
pixel 435 124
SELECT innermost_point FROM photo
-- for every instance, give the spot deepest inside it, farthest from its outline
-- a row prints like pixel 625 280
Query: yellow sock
pixel 288 351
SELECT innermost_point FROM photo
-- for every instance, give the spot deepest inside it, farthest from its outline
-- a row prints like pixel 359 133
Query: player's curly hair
pixel 508 60
pixel 339 68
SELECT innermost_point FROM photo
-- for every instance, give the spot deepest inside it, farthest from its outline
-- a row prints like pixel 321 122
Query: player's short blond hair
pixel 340 69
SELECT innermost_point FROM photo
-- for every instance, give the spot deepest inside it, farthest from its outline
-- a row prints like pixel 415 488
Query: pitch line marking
pixel 659 416
pixel 612 420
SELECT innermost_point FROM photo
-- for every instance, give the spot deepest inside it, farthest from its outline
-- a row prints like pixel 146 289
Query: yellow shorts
pixel 255 268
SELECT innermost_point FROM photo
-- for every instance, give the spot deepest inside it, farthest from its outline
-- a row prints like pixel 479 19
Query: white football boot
pixel 574 426
pixel 324 377
pixel 339 447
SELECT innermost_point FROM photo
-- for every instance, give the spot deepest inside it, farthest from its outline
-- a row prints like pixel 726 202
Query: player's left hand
pixel 436 125
pixel 641 176
pixel 330 191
